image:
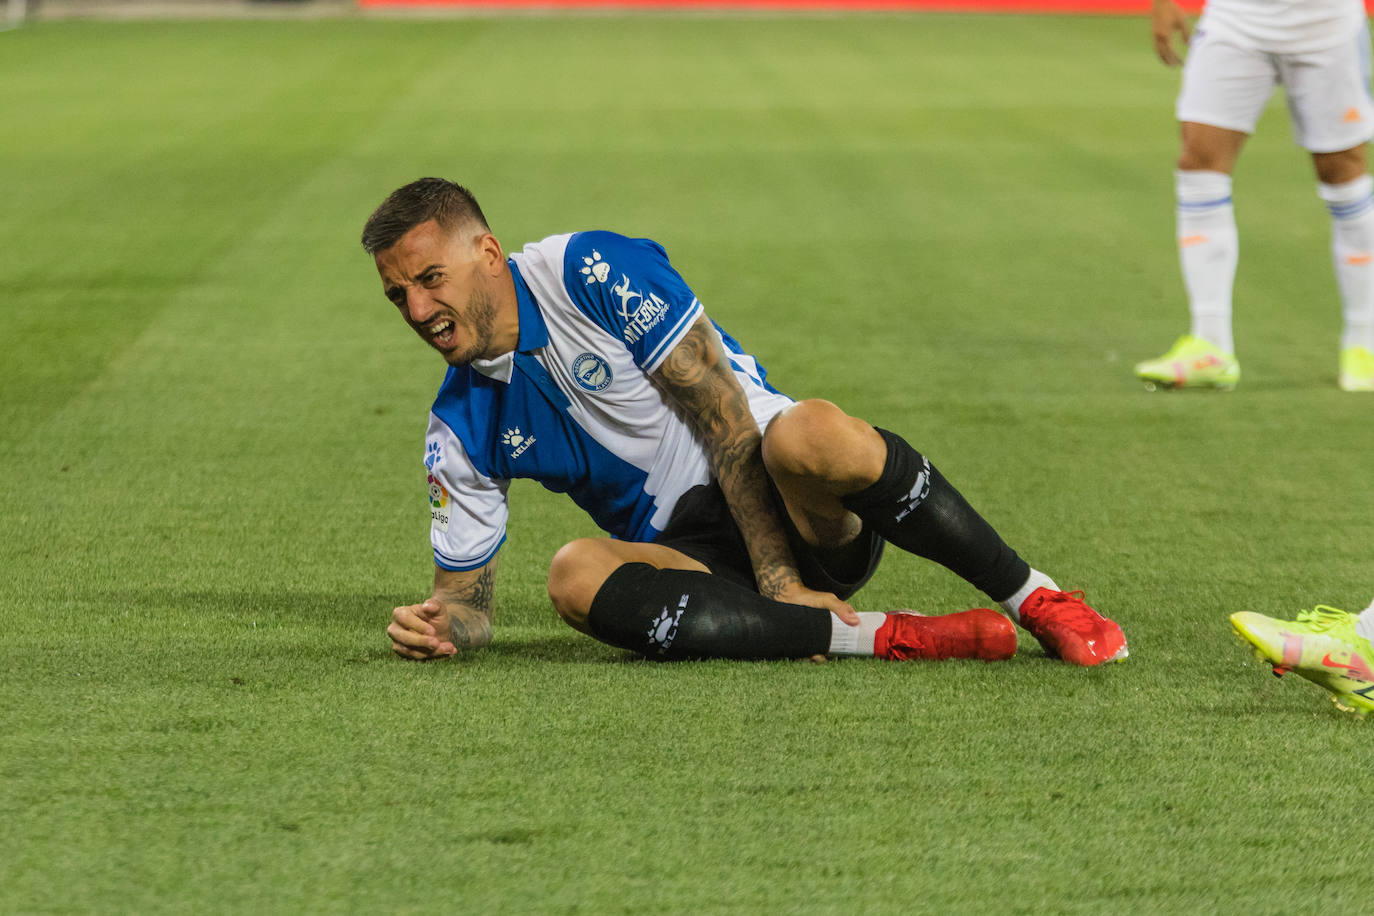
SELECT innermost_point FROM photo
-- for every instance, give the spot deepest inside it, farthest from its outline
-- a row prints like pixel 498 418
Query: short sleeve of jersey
pixel 467 509
pixel 628 288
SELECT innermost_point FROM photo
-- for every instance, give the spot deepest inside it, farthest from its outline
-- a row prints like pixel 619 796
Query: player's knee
pixel 1193 160
pixel 576 572
pixel 795 441
pixel 1209 149
pixel 1341 167
pixel 816 440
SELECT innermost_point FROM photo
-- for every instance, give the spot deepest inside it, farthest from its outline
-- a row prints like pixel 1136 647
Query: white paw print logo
pixel 513 438
pixel 596 270
pixel 664 627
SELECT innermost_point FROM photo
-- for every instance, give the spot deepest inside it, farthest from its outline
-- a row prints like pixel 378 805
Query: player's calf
pixel 581 567
pixel 671 614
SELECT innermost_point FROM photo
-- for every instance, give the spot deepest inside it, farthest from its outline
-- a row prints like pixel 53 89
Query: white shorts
pixel 1227 85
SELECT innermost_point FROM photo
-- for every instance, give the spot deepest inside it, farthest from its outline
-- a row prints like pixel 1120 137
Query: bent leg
pixel 814 480
pixel 837 473
pixel 823 461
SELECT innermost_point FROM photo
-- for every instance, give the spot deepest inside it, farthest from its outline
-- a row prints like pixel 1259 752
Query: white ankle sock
pixel 847 640
pixel 1036 580
pixel 1208 249
pixel 1352 251
pixel 1364 624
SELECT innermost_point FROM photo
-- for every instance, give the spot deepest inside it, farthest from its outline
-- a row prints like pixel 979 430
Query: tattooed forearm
pixel 468 629
pixel 698 376
pixel 469 599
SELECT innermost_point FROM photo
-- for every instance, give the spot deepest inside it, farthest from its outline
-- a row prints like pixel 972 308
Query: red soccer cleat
pixel 1071 630
pixel 979 633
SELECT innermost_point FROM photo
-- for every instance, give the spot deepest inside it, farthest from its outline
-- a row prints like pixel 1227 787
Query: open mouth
pixel 441 334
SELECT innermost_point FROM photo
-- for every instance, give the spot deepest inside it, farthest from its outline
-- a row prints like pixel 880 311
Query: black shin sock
pixel 914 507
pixel 679 613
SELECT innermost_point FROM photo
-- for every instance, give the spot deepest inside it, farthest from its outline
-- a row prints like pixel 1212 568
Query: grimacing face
pixel 440 283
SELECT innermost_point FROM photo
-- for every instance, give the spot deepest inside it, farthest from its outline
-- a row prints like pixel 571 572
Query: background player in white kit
pixel 1318 50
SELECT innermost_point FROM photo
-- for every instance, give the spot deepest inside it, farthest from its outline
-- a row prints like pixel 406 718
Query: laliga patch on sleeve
pixel 438 496
pixel 438 504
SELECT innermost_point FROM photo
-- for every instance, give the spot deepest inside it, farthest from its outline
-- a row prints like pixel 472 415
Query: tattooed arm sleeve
pixel 697 374
pixel 468 597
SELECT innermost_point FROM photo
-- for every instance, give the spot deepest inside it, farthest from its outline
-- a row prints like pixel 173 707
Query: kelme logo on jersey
pixel 516 442
pixel 432 455
pixel 596 270
pixel 592 372
pixel 640 313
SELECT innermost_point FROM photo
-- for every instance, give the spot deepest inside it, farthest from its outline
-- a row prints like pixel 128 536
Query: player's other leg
pixel 838 474
pixel 1326 646
pixel 1225 88
pixel 1347 189
pixel 1333 119
pixel 1208 250
pixel 657 601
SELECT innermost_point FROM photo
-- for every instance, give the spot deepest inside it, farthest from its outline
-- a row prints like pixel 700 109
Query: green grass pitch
pixel 957 227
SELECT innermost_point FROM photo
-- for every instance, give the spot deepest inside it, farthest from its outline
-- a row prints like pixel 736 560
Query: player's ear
pixel 489 252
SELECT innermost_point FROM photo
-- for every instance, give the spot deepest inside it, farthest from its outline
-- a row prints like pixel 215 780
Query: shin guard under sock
pixel 912 506
pixel 680 613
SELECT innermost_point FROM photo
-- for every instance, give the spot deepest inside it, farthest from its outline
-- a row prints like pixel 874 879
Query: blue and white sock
pixel 1352 251
pixel 1208 250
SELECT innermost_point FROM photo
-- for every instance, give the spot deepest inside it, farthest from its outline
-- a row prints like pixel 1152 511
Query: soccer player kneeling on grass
pixel 742 520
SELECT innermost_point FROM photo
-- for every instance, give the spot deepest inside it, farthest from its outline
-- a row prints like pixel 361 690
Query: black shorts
pixel 702 527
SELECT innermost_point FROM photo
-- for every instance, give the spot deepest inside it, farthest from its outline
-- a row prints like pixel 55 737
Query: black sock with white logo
pixel 670 614
pixel 914 507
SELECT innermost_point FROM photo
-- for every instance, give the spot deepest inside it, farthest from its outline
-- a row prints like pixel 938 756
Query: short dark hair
pixel 451 205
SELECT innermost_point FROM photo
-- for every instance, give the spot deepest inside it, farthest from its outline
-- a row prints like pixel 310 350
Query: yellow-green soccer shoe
pixel 1190 363
pixel 1357 369
pixel 1322 646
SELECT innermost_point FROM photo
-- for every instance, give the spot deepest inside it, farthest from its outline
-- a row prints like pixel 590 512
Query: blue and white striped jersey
pixel 573 407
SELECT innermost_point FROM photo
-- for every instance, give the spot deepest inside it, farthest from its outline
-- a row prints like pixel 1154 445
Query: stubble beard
pixel 481 320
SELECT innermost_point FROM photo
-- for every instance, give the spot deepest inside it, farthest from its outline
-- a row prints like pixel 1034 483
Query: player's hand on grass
pixel 420 631
pixel 800 594
pixel 1167 18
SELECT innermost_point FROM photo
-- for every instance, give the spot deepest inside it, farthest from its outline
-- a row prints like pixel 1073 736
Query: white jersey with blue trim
pixel 573 406
pixel 1283 26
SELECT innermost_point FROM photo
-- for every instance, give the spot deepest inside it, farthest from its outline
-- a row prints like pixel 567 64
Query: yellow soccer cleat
pixel 1190 363
pixel 1357 369
pixel 1322 646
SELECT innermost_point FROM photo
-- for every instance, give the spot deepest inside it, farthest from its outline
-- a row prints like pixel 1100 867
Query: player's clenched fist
pixel 419 631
